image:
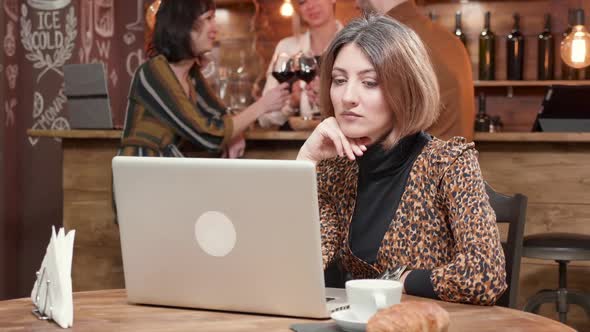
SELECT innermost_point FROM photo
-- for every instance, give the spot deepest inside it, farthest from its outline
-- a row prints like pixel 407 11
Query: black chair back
pixel 510 210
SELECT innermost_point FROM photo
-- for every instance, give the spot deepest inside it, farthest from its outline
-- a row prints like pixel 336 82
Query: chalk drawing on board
pixel 104 18
pixel 114 78
pixel 40 52
pixel 34 140
pixel 9 110
pixel 104 48
pixel 139 23
pixel 11 75
pixel 129 38
pixel 45 116
pixel 60 123
pixel 9 40
pixel 48 4
pixel 38 104
pixel 134 59
pixel 11 9
pixel 86 29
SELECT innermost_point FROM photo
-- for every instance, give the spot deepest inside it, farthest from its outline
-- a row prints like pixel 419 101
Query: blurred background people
pixel 169 100
pixel 319 17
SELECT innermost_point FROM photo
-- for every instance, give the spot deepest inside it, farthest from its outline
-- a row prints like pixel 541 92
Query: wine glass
pixel 282 69
pixel 307 69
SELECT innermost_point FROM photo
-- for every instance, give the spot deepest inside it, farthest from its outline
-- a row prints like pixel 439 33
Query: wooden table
pixel 108 310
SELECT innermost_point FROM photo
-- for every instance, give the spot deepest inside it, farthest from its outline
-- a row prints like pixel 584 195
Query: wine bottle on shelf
pixel 567 72
pixel 482 120
pixel 487 51
pixel 546 52
pixel 515 51
pixel 459 30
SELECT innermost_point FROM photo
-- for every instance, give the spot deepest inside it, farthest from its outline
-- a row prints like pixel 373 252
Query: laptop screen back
pixel 236 235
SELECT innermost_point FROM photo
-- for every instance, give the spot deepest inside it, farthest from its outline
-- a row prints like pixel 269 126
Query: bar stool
pixel 562 248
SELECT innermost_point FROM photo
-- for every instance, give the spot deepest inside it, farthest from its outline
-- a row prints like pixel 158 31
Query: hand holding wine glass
pixel 282 69
pixel 306 68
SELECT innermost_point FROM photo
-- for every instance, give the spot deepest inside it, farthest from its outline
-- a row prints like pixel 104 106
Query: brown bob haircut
pixel 404 72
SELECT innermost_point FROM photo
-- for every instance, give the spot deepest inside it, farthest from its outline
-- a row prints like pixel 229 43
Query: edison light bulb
pixel 287 8
pixel 575 48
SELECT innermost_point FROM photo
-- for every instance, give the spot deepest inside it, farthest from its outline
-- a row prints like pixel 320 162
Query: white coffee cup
pixel 367 296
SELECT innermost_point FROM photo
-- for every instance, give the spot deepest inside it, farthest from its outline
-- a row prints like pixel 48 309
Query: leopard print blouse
pixel 444 223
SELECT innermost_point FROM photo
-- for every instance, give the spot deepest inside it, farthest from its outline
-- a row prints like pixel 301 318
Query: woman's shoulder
pixel 152 65
pixel 443 153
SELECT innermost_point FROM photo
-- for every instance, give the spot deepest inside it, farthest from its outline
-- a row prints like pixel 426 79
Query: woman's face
pixel 203 33
pixel 359 106
pixel 316 12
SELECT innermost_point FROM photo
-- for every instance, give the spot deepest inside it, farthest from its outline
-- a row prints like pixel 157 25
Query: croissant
pixel 411 316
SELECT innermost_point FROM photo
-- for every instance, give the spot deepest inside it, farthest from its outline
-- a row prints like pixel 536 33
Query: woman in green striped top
pixel 170 100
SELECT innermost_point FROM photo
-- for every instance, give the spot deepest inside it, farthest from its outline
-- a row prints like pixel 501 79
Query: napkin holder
pixel 52 290
pixel 40 309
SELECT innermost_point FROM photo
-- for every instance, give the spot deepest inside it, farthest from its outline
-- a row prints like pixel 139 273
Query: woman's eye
pixel 338 81
pixel 371 84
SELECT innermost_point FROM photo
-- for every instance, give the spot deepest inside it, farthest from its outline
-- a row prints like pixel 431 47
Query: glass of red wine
pixel 306 69
pixel 283 69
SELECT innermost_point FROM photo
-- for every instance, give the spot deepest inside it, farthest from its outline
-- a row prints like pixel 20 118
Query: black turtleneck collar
pixel 382 181
pixel 379 162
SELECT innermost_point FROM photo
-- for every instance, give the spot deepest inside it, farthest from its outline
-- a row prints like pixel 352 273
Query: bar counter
pixel 552 169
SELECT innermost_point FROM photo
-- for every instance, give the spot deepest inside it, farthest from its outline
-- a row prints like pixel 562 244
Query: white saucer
pixel 348 322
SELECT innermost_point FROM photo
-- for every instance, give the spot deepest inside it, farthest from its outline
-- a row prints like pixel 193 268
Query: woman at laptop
pixel 170 99
pixel 392 197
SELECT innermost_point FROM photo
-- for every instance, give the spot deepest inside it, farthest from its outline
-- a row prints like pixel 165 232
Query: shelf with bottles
pixel 544 70
pixel 510 85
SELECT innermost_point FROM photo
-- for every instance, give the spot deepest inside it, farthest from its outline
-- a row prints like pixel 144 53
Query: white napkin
pixel 54 298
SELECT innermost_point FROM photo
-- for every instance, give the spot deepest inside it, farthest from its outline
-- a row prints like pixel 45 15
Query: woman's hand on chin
pixel 327 141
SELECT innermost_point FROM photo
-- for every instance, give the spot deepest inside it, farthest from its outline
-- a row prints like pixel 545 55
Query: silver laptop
pixel 87 96
pixel 234 235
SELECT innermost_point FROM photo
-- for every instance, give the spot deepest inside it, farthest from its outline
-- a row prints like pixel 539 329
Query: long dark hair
pixel 174 21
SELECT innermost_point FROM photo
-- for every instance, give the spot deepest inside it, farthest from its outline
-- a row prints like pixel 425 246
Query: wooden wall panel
pixel 555 179
pixel 546 173
pixel 87 175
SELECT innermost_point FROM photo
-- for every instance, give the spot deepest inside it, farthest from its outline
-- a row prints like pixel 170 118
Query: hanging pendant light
pixel 287 9
pixel 575 48
pixel 150 14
